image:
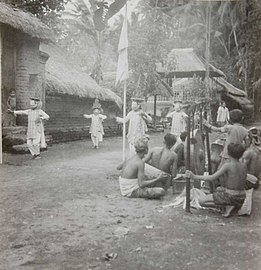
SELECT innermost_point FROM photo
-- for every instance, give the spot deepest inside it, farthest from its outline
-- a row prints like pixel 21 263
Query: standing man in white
pixel 222 114
pixel 179 123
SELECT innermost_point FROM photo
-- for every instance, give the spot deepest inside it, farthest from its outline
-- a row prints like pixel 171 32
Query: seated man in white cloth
pixel 132 180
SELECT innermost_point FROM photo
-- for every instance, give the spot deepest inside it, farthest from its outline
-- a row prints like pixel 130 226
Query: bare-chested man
pixel 132 180
pixel 252 159
pixel 163 158
pixel 232 194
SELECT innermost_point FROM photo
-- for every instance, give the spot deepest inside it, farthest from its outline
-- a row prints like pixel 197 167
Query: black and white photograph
pixel 130 134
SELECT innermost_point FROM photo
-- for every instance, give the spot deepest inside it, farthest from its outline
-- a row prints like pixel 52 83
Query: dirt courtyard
pixel 65 212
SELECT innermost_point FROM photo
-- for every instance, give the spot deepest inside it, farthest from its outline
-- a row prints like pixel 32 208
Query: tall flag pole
pixel 1 146
pixel 123 72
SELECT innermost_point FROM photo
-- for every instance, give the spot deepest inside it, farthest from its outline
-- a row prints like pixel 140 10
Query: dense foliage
pixel 46 10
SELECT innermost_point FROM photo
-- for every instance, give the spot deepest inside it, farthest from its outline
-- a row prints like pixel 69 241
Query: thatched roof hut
pixel 66 78
pixel 25 22
pixel 184 63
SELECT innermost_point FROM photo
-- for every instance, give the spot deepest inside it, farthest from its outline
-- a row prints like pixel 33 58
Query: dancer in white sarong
pixel 178 120
pixel 35 130
pixel 137 123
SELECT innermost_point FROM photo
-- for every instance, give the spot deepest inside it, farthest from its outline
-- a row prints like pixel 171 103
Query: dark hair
pixel 235 150
pixel 183 136
pixel 141 145
pixel 170 139
pixel 12 90
pixel 236 116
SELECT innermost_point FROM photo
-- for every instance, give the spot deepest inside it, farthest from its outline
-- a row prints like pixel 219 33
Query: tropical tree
pixel 149 35
pixel 91 17
pixel 46 10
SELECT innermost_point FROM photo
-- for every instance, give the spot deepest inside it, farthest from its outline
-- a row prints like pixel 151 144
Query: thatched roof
pixel 183 63
pixel 66 78
pixel 229 88
pixel 237 95
pixel 25 22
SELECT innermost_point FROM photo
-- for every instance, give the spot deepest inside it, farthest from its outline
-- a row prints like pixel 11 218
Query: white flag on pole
pixel 123 66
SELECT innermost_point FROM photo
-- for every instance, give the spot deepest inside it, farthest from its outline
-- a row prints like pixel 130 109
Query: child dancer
pixel 96 128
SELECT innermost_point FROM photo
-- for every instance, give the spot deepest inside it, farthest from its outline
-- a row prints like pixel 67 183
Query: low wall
pixel 67 123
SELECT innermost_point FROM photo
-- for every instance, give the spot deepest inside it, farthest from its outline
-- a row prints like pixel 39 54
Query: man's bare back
pixel 235 175
pixel 163 159
pixel 131 167
pixel 252 159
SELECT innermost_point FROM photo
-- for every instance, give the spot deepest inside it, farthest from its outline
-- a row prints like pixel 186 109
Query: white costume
pixel 178 122
pixel 35 130
pixel 137 127
pixel 222 115
pixel 96 128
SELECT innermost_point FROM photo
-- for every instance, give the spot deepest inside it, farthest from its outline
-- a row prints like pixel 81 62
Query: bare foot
pixel 228 211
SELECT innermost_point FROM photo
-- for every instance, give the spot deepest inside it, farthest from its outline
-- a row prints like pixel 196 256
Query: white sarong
pixel 127 186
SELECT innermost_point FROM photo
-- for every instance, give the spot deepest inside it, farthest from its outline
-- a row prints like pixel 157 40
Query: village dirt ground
pixel 65 212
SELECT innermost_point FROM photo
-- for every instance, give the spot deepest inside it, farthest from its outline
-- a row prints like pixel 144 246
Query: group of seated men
pixel 241 170
pixel 133 182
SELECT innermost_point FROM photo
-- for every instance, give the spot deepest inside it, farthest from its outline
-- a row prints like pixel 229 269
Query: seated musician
pixel 232 193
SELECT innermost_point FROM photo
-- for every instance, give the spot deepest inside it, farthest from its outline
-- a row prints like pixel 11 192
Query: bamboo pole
pixel 1 146
pixel 124 122
pixel 155 110
pixel 188 165
pixel 208 81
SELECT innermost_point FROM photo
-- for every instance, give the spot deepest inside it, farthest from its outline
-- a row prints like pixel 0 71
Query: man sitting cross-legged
pixel 232 194
pixel 163 158
pixel 132 180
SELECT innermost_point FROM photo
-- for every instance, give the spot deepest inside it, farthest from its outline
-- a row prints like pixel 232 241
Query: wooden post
pixel 200 119
pixel 208 82
pixel 155 110
pixel 124 122
pixel 188 164
pixel 1 146
pixel 208 156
